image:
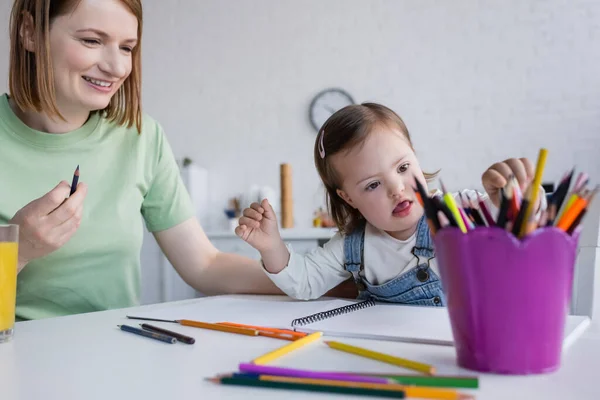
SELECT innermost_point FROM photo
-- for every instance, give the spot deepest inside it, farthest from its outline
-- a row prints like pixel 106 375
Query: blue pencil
pixel 148 334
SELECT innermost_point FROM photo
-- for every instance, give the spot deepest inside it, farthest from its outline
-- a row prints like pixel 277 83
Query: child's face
pixel 378 180
pixel 91 53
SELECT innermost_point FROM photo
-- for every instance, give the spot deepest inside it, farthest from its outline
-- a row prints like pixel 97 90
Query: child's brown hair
pixel 344 130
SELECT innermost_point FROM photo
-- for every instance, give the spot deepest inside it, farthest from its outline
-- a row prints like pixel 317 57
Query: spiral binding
pixel 332 313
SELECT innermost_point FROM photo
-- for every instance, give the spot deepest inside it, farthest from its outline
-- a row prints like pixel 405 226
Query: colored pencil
pixel 449 200
pixel 275 354
pixel 567 204
pixel 486 212
pixel 581 181
pixel 75 181
pixel 283 334
pixel 180 337
pixel 442 207
pixel 557 198
pixel 151 335
pixel 577 222
pixel 477 214
pixel 299 373
pixel 468 223
pixel 571 214
pixel 518 195
pixel 428 205
pixel 217 327
pixel 520 217
pixel 305 387
pixel 374 355
pixel 203 325
pixel 432 228
pixel 469 382
pixel 505 198
pixel 266 329
pixel 535 187
pixel 443 219
pixel 409 391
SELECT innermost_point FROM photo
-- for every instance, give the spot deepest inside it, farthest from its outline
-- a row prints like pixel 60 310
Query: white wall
pixel 475 80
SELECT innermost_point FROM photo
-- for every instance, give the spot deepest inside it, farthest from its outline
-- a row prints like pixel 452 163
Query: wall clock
pixel 325 103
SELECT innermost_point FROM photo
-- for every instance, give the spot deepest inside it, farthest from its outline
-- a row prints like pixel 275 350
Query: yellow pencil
pixel 401 362
pixel 409 391
pixel 535 188
pixel 264 359
pixel 449 200
pixel 565 207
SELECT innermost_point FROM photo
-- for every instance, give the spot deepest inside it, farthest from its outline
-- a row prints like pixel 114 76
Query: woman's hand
pixel 47 223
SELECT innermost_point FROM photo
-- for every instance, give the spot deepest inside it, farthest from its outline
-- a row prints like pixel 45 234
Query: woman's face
pixel 91 50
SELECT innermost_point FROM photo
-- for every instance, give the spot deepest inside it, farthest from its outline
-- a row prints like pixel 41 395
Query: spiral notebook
pixel 401 323
pixel 371 320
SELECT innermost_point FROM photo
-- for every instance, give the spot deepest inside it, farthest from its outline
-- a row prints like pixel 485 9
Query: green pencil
pixel 308 387
pixel 435 381
pixel 468 382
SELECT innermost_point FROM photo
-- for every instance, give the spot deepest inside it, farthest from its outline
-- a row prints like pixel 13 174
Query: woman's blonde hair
pixel 345 129
pixel 31 78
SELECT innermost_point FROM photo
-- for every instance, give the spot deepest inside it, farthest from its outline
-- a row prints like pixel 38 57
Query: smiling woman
pixel 92 40
pixel 75 99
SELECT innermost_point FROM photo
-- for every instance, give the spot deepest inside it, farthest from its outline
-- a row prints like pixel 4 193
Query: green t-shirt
pixel 130 176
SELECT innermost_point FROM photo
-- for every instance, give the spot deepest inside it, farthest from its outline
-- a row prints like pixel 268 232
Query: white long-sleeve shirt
pixel 313 274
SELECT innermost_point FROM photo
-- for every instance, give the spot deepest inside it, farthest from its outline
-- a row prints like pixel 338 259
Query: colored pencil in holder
pixel 451 203
pixel 428 205
pixel 534 189
pixel 577 222
pixel 476 214
pixel 557 198
pixel 443 208
pixel 432 227
pixel 444 222
pixel 505 198
pixel 485 211
pixel 520 218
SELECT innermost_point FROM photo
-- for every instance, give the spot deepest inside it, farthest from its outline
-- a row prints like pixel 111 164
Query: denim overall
pixel 419 286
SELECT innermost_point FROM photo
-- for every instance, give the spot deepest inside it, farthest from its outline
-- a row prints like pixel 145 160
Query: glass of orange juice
pixel 9 251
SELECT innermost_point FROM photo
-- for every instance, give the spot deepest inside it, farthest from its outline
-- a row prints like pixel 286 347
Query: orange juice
pixel 8 284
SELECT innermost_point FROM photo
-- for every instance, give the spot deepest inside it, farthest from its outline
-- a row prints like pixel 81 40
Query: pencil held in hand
pixel 75 181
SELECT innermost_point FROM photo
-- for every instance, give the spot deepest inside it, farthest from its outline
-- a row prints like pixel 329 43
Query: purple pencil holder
pixel 507 298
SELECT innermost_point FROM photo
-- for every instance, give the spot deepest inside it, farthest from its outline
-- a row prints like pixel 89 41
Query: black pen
pixel 181 338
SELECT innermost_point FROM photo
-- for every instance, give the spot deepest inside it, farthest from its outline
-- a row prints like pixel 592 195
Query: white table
pixel 87 357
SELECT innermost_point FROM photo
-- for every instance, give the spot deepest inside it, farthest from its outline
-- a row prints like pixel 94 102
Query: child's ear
pixel 27 32
pixel 345 197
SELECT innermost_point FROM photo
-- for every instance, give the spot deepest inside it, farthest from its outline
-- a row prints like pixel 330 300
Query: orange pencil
pixel 217 327
pixel 269 332
pixel 571 214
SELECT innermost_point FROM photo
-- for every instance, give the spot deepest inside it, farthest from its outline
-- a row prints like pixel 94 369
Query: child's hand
pixel 496 176
pixel 258 226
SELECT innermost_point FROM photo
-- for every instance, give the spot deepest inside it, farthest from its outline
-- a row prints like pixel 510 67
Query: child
pixel 365 158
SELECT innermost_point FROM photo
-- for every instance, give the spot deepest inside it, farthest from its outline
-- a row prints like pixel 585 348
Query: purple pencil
pixel 299 373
